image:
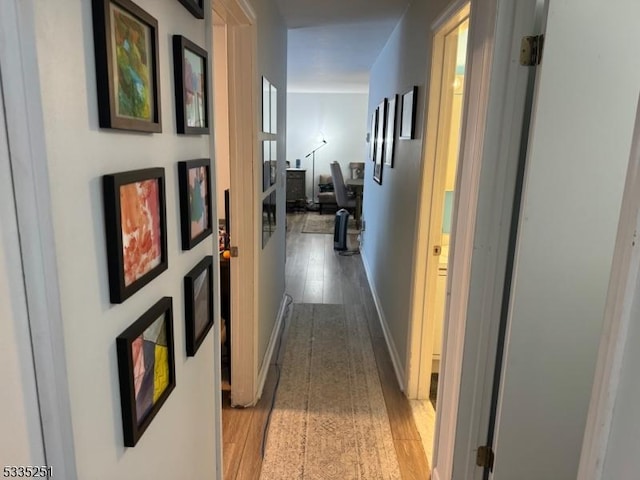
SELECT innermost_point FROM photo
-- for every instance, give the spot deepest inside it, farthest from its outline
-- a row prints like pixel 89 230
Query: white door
pixel 580 138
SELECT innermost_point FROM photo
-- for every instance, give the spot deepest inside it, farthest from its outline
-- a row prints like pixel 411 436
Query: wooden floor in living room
pixel 315 273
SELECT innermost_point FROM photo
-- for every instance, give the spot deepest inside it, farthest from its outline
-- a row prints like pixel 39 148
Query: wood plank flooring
pixel 317 274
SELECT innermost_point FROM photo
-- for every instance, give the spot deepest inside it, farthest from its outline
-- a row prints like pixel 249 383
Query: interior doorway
pixel 438 198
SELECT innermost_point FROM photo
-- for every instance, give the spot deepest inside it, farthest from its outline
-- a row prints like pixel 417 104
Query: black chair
pixel 343 199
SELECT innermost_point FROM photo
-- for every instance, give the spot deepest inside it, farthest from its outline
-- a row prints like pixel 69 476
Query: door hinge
pixel 531 50
pixel 484 457
pixel 233 251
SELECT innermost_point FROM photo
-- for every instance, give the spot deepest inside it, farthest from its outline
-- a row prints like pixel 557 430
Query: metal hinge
pixel 484 457
pixel 233 251
pixel 531 50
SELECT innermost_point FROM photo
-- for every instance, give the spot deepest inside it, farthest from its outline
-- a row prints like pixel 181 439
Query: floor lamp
pixel 312 154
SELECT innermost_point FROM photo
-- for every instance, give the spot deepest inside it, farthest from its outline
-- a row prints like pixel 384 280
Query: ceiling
pixel 332 44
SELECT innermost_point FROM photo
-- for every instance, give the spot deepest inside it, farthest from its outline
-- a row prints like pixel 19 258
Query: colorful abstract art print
pixel 135 223
pixel 198 288
pixel 146 366
pixel 190 66
pixel 126 39
pixel 194 178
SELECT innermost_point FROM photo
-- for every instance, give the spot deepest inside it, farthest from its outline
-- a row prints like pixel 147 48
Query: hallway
pixel 318 275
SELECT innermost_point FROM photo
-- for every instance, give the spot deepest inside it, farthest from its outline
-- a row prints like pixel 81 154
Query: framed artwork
pixel 196 7
pixel 146 368
pixel 194 178
pixel 198 304
pixel 408 115
pixel 381 128
pixel 191 86
pixel 136 230
pixel 390 135
pixel 127 68
pixel 372 136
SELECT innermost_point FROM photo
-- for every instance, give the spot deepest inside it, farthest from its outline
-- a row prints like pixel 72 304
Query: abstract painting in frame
pixel 196 7
pixel 194 178
pixel 136 231
pixel 390 135
pixel 408 115
pixel 198 306
pixel 146 368
pixel 380 146
pixel 191 91
pixel 127 70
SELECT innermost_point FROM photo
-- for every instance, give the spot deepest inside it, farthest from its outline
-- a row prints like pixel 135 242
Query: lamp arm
pixel 324 142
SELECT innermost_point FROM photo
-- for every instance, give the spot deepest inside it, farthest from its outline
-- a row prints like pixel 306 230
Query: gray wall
pixel 390 209
pixel 272 63
pixel 180 442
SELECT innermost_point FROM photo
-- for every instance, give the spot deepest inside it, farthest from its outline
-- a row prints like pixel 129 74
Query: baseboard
pixel 391 346
pixel 266 362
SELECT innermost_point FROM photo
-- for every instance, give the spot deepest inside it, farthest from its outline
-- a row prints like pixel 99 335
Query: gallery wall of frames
pixel 128 57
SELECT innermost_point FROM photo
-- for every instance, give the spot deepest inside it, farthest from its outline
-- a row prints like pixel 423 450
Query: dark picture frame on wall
pixel 127 66
pixel 390 131
pixel 194 185
pixel 408 114
pixel 372 135
pixel 196 7
pixel 381 127
pixel 198 304
pixel 191 86
pixel 136 230
pixel 146 366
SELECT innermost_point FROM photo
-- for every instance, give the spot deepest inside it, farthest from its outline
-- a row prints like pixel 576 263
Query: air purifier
pixel 340 230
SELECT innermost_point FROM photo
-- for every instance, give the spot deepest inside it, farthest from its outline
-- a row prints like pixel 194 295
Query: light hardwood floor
pixel 317 274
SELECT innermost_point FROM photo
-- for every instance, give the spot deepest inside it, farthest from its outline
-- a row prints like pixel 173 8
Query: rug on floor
pixel 330 419
pixel 315 223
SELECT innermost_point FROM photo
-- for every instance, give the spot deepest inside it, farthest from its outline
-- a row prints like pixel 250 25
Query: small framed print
pixel 146 369
pixel 127 68
pixel 380 144
pixel 390 135
pixel 136 230
pixel 191 86
pixel 372 135
pixel 198 304
pixel 194 177
pixel 408 115
pixel 196 7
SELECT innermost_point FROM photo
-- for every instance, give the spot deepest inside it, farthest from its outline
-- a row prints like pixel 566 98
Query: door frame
pixel 617 317
pixel 241 21
pixel 25 133
pixel 420 351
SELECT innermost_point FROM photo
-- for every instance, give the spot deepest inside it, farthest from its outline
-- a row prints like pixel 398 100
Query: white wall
pixel 390 209
pixel 179 443
pixel 272 63
pixel 19 413
pixel 340 117
pixel 579 150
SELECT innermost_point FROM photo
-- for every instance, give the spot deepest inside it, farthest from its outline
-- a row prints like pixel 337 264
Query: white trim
pixel 453 9
pixel 25 128
pixel 617 317
pixel 391 346
pixel 268 357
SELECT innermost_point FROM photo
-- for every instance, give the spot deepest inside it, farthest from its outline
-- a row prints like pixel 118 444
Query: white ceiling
pixel 333 43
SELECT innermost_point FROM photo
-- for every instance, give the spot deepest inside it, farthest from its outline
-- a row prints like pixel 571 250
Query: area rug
pixel 315 223
pixel 330 420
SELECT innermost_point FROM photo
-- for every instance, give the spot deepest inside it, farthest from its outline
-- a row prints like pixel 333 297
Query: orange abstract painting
pixel 141 235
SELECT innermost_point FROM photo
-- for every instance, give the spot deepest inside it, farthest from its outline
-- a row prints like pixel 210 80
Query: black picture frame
pixel 197 328
pixel 408 114
pixel 390 131
pixel 180 46
pixel 372 135
pixel 187 209
pixel 381 128
pixel 196 7
pixel 138 410
pixel 108 92
pixel 127 261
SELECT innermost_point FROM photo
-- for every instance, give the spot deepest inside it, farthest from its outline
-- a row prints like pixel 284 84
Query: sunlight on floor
pixel 425 418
